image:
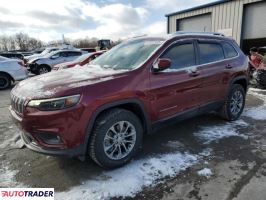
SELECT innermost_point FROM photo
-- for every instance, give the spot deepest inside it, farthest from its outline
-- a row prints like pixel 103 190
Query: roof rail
pixel 138 36
pixel 197 33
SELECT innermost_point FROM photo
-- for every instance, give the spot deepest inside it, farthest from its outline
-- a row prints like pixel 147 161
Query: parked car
pixel 43 53
pixel 13 55
pixel 89 50
pixel 141 84
pixel 11 70
pixel 45 64
pixel 81 61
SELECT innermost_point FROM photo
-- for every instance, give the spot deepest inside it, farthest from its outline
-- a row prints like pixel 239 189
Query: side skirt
pixel 213 106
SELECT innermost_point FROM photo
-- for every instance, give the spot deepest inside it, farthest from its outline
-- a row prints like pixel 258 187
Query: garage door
pixel 254 25
pixel 197 23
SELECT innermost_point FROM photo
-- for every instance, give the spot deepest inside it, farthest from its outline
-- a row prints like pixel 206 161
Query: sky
pixel 112 19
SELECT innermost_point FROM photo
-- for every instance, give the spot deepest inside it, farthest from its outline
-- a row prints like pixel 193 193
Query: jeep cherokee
pixel 103 110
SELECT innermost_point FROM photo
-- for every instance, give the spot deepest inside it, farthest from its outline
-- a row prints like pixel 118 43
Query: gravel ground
pixel 200 158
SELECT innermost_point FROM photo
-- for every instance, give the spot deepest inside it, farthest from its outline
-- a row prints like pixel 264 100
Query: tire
pixel 232 104
pixel 109 157
pixel 43 69
pixel 5 81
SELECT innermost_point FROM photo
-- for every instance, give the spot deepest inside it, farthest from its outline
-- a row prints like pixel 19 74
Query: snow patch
pixel 205 172
pixel 206 152
pixel 7 177
pixel 257 113
pixel 132 178
pixel 215 133
pixel 11 139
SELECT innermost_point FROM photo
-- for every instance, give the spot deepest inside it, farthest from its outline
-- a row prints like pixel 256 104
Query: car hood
pixel 64 82
pixel 32 56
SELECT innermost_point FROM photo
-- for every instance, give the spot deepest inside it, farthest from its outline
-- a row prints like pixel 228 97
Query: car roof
pixel 68 50
pixel 182 34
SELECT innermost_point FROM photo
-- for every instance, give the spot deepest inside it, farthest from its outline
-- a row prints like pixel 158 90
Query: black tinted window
pixel 181 56
pixel 63 54
pixel 74 53
pixel 210 52
pixel 229 50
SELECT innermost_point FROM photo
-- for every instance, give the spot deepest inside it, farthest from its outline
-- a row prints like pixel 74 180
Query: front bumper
pixel 30 144
pixel 28 135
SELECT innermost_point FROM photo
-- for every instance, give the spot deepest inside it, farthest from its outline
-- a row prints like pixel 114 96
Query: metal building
pixel 244 20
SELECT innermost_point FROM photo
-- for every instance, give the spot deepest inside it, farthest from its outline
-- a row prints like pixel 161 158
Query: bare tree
pixel 22 41
pixel 4 43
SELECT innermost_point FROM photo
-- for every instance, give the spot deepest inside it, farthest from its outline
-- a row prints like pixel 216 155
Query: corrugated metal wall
pixel 227 15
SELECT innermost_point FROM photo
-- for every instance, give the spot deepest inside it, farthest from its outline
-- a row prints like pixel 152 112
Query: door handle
pixel 228 66
pixel 194 73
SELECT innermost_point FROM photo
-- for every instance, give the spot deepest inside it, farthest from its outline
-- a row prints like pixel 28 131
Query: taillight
pixel 21 63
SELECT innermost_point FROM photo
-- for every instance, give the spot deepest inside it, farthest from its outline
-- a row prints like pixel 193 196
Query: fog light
pixel 49 138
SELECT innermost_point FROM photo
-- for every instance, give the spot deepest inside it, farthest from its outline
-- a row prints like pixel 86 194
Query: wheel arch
pixel 46 65
pixel 132 104
pixel 241 80
pixel 11 77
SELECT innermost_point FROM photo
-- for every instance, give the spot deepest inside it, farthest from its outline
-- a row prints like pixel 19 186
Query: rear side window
pixel 210 52
pixel 74 53
pixel 229 50
pixel 182 56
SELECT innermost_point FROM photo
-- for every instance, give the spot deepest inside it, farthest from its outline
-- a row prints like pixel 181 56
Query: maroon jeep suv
pixel 104 109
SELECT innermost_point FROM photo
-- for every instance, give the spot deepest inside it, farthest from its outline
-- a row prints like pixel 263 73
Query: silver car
pixel 11 70
pixel 44 52
pixel 45 64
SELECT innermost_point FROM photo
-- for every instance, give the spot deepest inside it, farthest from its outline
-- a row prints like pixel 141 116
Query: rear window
pixel 210 52
pixel 229 50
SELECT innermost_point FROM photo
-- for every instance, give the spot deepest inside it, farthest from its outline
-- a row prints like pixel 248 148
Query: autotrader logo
pixel 26 193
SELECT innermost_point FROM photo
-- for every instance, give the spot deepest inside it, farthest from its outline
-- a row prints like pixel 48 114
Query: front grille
pixel 17 103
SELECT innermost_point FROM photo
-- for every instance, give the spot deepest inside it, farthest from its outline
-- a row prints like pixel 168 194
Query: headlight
pixel 56 103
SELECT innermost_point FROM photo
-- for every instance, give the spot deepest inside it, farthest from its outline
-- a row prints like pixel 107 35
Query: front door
pixel 178 88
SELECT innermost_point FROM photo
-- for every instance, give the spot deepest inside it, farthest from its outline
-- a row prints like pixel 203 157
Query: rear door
pixel 214 69
pixel 178 88
pixel 58 58
pixel 72 55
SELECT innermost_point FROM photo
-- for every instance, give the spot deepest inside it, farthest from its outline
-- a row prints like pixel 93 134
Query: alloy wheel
pixel 236 103
pixel 119 140
pixel 43 70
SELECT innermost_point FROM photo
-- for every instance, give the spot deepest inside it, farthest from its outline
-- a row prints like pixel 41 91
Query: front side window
pixel 181 56
pixel 63 54
pixel 210 52
pixel 56 55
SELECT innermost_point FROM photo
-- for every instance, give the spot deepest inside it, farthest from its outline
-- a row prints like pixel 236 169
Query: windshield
pixel 48 55
pixel 127 55
pixel 46 51
pixel 83 57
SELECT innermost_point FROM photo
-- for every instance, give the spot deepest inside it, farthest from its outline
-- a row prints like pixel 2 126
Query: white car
pixel 11 70
pixel 45 64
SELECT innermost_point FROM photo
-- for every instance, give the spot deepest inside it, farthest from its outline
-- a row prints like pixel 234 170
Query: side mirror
pixel 161 64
